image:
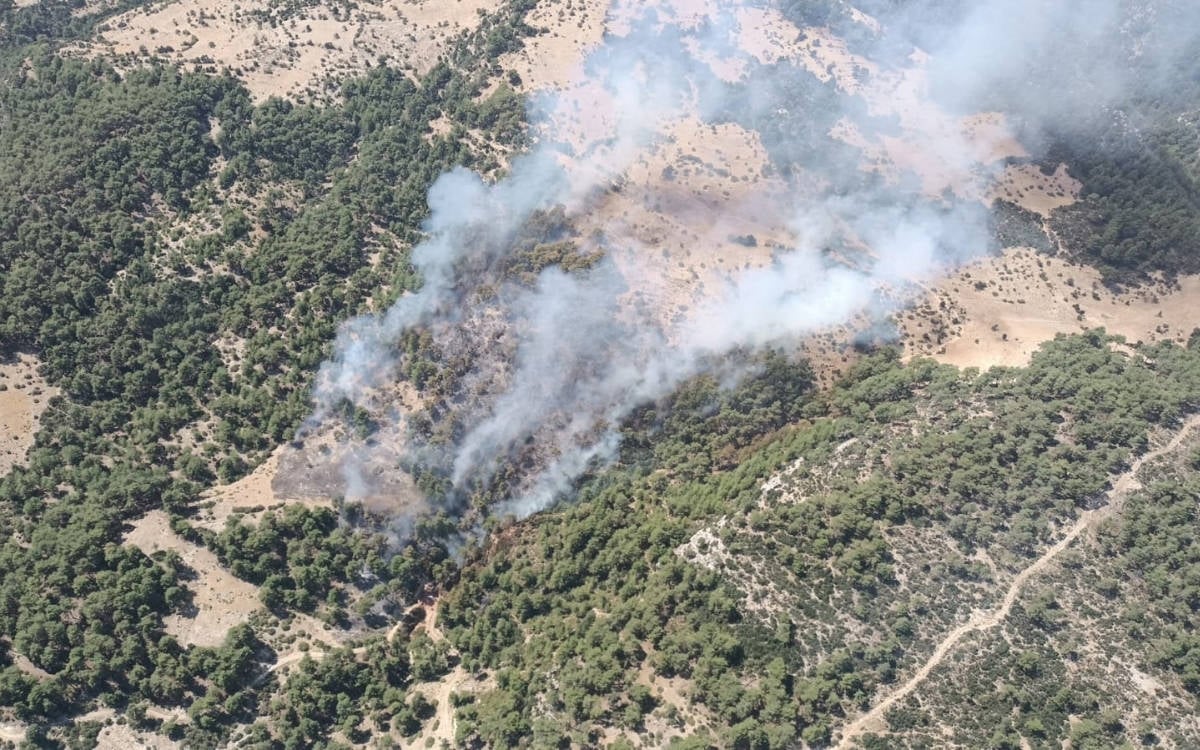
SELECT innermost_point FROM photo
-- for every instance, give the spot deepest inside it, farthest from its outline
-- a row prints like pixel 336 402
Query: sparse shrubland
pixel 881 551
pixel 148 215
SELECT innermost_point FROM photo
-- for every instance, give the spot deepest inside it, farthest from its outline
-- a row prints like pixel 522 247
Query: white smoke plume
pixel 557 364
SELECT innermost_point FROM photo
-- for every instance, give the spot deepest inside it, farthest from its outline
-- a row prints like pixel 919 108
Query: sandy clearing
pixel 280 54
pixel 682 230
pixel 124 737
pixel 686 203
pixel 998 310
pixel 768 37
pixel 102 714
pixel 441 727
pixel 326 463
pixel 286 662
pixel 1146 683
pixel 322 464
pixel 220 600
pixel 315 630
pixel 244 496
pixel 822 54
pixel 943 151
pixel 22 662
pixel 862 18
pixel 683 14
pixel 691 203
pixel 697 205
pixel 23 398
pixel 13 731
pixel 873 720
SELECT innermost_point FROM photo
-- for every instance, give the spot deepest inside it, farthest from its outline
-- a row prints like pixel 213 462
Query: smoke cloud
pixel 874 179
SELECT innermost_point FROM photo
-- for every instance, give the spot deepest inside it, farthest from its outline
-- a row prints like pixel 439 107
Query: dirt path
pixel 317 654
pixel 1122 486
pixel 437 692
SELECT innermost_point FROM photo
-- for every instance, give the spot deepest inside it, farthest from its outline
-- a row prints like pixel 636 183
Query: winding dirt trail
pixel 1122 486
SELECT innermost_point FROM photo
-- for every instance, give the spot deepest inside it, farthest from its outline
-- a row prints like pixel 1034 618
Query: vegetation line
pixel 1124 484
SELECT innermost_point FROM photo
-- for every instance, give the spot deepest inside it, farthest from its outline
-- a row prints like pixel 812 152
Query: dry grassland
pixel 24 395
pixel 277 53
pixel 998 310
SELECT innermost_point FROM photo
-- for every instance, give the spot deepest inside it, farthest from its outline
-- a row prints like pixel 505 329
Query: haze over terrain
pixel 590 347
pixel 517 373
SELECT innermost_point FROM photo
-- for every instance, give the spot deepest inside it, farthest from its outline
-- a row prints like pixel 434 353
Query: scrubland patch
pixel 1033 189
pixel 694 210
pixel 552 60
pixel 703 202
pixel 752 577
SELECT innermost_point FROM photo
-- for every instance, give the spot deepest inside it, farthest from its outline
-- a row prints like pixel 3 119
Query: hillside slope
pixel 532 374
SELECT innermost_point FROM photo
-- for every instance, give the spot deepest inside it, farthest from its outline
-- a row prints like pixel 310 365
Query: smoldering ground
pixel 529 366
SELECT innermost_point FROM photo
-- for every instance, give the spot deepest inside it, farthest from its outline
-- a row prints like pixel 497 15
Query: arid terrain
pixel 997 311
pixel 278 51
pixel 696 203
pixel 24 395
